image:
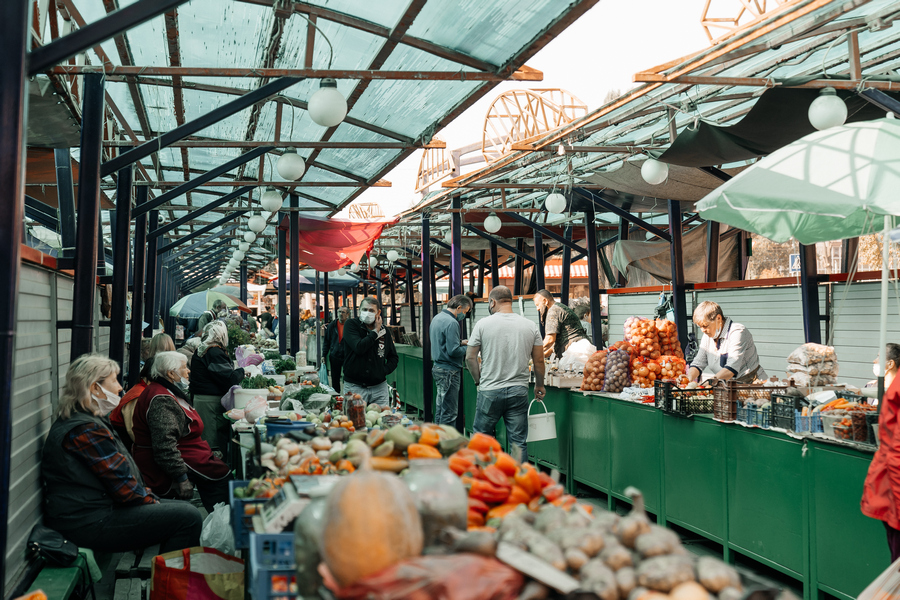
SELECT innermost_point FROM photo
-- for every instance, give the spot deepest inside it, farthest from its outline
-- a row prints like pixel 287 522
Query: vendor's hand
pixel 539 390
pixel 184 490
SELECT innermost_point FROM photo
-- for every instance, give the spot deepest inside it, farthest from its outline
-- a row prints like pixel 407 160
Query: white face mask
pixel 108 402
pixel 875 369
pixel 367 316
pixel 223 313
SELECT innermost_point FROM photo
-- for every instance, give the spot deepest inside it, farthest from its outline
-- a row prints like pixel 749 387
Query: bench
pixel 132 576
pixel 59 583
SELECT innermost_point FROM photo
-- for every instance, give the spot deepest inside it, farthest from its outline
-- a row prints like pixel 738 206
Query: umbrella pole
pixel 882 333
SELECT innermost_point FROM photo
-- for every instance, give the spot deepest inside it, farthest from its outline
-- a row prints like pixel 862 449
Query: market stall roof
pixel 406 68
pixel 854 46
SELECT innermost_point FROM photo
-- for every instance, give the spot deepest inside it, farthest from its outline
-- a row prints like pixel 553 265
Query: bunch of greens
pixel 284 365
pixel 304 394
pixel 272 355
pixel 236 336
pixel 257 382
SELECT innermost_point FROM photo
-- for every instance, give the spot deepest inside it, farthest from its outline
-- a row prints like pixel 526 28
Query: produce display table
pixel 790 504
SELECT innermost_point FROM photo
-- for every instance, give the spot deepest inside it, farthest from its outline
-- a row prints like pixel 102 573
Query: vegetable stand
pixel 790 504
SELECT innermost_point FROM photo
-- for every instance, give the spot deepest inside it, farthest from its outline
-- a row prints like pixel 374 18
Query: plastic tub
pixel 828 422
pixel 243 397
pixel 279 379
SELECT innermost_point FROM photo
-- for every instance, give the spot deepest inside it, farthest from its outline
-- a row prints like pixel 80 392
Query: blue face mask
pixel 460 316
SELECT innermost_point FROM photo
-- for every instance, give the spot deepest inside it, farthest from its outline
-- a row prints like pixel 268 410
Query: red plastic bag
pixel 196 574
pixel 450 577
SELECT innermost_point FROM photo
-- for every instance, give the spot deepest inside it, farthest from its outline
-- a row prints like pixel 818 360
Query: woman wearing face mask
pixel 168 447
pixel 369 354
pixel 213 374
pixel 727 348
pixel 93 491
pixel 881 492
pixel 122 416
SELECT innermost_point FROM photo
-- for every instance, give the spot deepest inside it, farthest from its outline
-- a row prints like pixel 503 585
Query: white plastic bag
pixel 576 356
pixel 256 408
pixel 216 532
pixel 886 585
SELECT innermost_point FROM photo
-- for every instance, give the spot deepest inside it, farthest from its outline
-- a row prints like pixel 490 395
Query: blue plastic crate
pixel 758 417
pixel 810 424
pixel 274 429
pixel 273 574
pixel 241 516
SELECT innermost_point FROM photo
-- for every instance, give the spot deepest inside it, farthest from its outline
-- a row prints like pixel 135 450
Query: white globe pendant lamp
pixel 290 165
pixel 492 223
pixel 448 237
pixel 827 110
pixel 354 268
pixel 249 237
pixel 341 272
pixel 555 203
pixel 256 224
pixel 271 200
pixel 327 107
pixel 243 246
pixel 393 255
pixel 654 172
pixel 239 255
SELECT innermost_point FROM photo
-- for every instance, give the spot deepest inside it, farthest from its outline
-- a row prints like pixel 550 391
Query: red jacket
pixel 881 492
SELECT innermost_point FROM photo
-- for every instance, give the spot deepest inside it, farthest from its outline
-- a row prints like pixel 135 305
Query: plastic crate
pixel 674 400
pixel 242 511
pixel 273 572
pixel 808 424
pixel 728 395
pixel 273 429
pixel 759 417
pixel 783 410
pixel 871 420
pixel 850 396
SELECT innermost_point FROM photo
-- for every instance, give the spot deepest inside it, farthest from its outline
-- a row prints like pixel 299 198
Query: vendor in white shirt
pixel 727 348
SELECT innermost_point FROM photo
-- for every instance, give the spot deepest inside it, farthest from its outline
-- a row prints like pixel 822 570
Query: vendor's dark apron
pixel 195 452
pixel 723 360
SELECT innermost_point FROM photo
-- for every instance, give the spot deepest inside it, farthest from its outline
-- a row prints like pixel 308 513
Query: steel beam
pixel 456 266
pixel 679 298
pixel 88 216
pixel 295 277
pixel 152 271
pixel 712 251
pixel 174 244
pixel 499 243
pixel 316 315
pixel 520 267
pixel 427 267
pixel 190 260
pixel 624 232
pixel 482 255
pixel 325 296
pixel 200 123
pixel 566 266
pixel 607 206
pixel 590 233
pixel 538 259
pixel 170 257
pixel 849 254
pixel 67 46
pixel 809 293
pixel 65 194
pixel 121 258
pixel 14 41
pixel 196 212
pixel 469 257
pixel 282 289
pixel 137 290
pixel 243 282
pixel 194 281
pixel 881 100
pixel 183 188
pixel 188 271
pixel 495 266
pixel 411 297
pixel 543 230
pixel 393 289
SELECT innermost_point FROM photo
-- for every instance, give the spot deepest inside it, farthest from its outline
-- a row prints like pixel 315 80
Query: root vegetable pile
pixel 618 372
pixel 668 338
pixel 643 337
pixel 594 372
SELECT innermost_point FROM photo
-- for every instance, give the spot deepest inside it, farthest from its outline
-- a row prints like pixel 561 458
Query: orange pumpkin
pixel 370 524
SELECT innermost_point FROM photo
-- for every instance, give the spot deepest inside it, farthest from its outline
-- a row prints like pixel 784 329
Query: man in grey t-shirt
pixel 507 342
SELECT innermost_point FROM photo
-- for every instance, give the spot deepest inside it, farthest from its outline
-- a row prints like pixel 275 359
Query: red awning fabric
pixel 329 244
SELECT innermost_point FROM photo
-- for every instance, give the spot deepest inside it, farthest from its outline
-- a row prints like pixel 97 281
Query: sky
pixel 597 53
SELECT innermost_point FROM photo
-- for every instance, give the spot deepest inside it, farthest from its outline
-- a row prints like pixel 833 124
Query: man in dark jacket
pixel 369 354
pixel 334 335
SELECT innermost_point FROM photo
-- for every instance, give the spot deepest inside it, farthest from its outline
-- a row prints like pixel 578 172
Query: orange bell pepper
pixel 506 463
pixel 546 480
pixel 493 474
pixel 553 492
pixel 528 479
pixel 461 464
pixel 422 451
pixel 482 442
pixel 475 519
pixel 345 466
pixel 498 512
pixel 310 466
pixel 518 495
pixel 476 505
pixel 429 436
pixel 535 504
pixel 565 502
pixel 486 491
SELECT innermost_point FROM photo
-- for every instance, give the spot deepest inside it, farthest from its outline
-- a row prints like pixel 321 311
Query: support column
pixel 434 295
pixel 679 299
pixel 566 267
pixel 539 260
pixel 745 255
pixel 590 238
pixel 282 289
pixel 849 252
pixel 13 116
pixel 456 273
pixel 137 288
pixel 121 258
pixel 482 256
pixel 65 193
pixel 151 273
pixel 325 295
pixel 623 236
pixel 242 273
pixel 295 275
pixel 411 296
pixel 712 251
pixel 88 215
pixel 520 268
pixel 495 266
pixel 353 300
pixel 427 268
pixel 318 332
pixel 393 286
pixel 809 292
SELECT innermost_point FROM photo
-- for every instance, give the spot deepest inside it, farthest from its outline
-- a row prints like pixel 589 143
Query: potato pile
pixel 618 371
pixel 619 558
pixel 594 372
pixel 668 338
pixel 644 337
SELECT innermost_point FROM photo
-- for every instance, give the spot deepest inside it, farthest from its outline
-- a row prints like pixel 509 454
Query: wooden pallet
pixel 135 564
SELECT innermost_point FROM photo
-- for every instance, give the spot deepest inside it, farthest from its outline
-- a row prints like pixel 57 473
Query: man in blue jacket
pixel 447 354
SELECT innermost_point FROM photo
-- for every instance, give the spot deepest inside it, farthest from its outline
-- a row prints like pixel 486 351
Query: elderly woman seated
pixel 121 416
pixel 168 447
pixel 93 491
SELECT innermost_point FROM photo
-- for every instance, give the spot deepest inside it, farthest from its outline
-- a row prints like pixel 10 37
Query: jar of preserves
pixel 441 498
pixel 355 408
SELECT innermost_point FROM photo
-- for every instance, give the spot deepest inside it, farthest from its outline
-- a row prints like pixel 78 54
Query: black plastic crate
pixel 783 410
pixel 850 396
pixel 674 400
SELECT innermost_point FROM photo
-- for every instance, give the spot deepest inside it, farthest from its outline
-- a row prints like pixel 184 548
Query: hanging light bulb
pixel 354 267
pixel 256 224
pixel 249 237
pixel 290 165
pixel 393 255
pixel 239 254
pixel 555 203
pixel 271 200
pixel 327 107
pixel 654 172
pixel 341 272
pixel 492 223
pixel 244 246
pixel 827 110
pixel 561 151
pixel 448 237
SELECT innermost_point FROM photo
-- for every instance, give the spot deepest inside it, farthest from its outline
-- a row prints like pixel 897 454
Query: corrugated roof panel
pixel 383 12
pixel 490 31
pixel 223 34
pixel 360 161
